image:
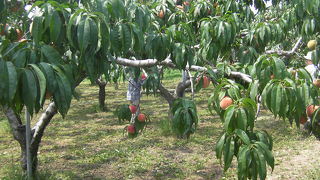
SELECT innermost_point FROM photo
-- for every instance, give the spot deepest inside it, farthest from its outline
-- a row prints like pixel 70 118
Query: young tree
pixel 102 94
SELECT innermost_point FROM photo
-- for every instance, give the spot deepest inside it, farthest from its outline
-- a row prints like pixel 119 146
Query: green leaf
pixel 37 29
pixel 261 162
pixel 50 76
pixel 306 26
pixel 125 37
pixel 115 39
pixel 228 117
pixel 243 136
pixel 83 34
pixel 12 81
pixel 29 90
pixel 2 6
pixel 220 29
pixel 219 146
pixel 241 119
pixel 62 96
pixel 118 8
pixel 279 69
pixel 184 117
pixel 48 12
pixel 94 33
pixel 42 82
pixel 304 74
pixel 51 54
pixel 284 103
pixel 262 33
pixel 312 25
pixel 274 107
pixel 266 93
pixel 234 92
pixel 254 89
pixel 8 79
pixel 227 32
pixel 255 165
pixel 138 38
pixel 278 99
pixel 20 58
pixel 179 50
pixel 55 26
pixel 242 161
pixel 70 30
pixel 267 153
pixel 228 153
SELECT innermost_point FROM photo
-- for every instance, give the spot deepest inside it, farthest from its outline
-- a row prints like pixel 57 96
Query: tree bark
pixel 286 53
pixel 102 94
pixel 168 63
pixel 182 86
pixel 166 95
pixel 164 92
pixel 116 86
pixel 19 129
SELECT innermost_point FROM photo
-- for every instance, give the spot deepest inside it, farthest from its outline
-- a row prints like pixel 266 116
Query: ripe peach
pixel 143 76
pixel 161 14
pixel 133 109
pixel 131 129
pixel 225 102
pixel 311 109
pixel 141 118
pixel 206 82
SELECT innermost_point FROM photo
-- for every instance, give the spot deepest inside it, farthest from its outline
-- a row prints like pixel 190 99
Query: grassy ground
pixel 89 144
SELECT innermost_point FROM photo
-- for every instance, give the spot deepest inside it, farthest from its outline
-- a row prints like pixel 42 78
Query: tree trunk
pixel 19 134
pixel 34 158
pixel 102 97
pixel 116 86
pixel 181 87
pixel 102 94
pixel 181 93
pixel 166 95
pixel 169 97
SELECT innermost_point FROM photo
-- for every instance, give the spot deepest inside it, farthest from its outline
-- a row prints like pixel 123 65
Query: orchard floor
pixel 89 144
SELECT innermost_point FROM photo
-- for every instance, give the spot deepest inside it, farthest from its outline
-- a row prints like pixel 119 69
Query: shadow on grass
pixel 280 128
pixel 14 172
pixel 166 170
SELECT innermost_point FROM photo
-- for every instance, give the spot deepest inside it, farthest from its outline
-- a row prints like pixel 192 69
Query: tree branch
pixel 286 53
pixel 167 62
pixel 101 82
pixel 136 63
pixel 181 88
pixel 44 120
pixel 247 78
pixel 192 86
pixel 152 62
pixel 47 115
pixel 16 125
pixel 166 94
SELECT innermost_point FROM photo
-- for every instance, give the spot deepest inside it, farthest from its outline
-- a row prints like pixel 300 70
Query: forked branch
pixel 286 53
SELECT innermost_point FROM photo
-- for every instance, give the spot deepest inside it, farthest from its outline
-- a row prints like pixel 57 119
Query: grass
pixel 89 144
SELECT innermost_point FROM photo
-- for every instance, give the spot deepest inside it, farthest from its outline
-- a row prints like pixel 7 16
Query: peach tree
pixel 243 46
